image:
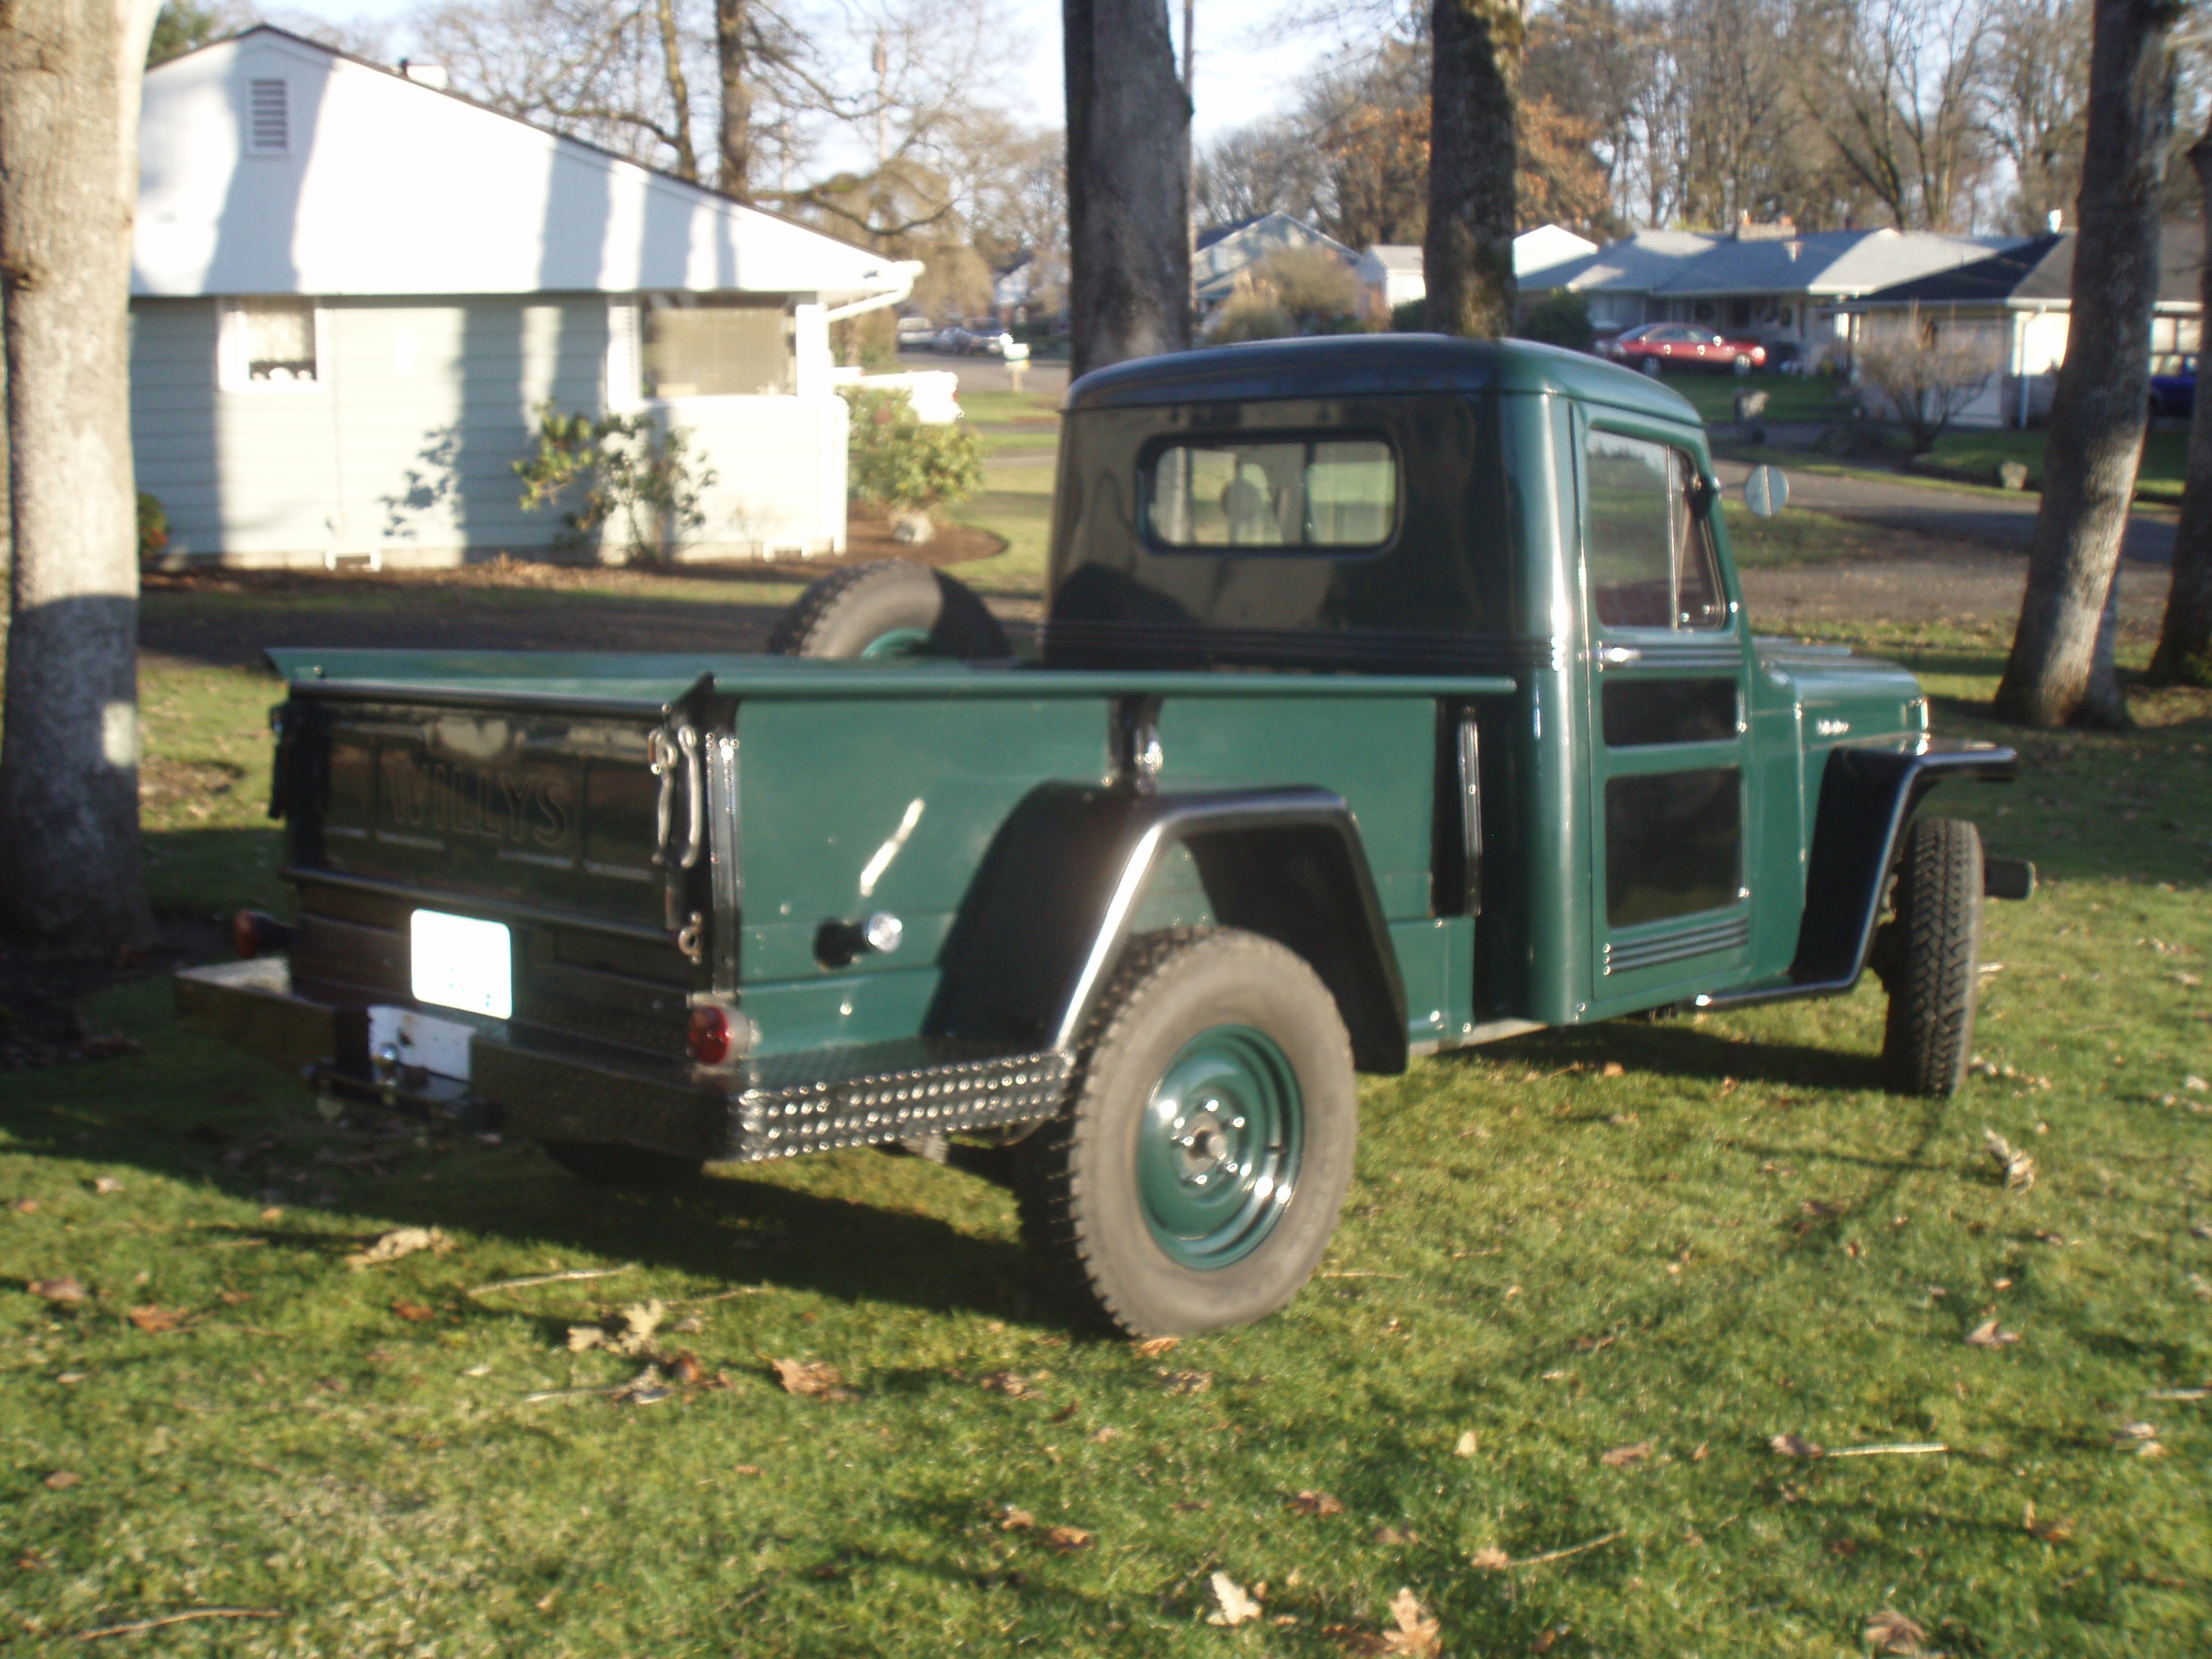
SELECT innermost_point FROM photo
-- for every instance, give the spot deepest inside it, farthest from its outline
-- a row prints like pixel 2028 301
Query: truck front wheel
pixel 1931 959
pixel 1194 1178
pixel 885 611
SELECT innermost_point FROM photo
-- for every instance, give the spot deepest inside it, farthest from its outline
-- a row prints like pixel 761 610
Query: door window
pixel 1650 549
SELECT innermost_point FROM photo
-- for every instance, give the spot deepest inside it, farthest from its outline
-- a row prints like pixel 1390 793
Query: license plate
pixel 459 962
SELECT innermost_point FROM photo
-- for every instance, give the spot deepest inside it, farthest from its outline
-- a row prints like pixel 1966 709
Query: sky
pixel 1248 65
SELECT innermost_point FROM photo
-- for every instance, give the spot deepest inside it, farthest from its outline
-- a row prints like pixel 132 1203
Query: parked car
pixel 1656 346
pixel 916 333
pixel 1506 755
pixel 2173 386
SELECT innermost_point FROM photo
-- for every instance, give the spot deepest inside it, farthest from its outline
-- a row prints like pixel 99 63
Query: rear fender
pixel 1045 923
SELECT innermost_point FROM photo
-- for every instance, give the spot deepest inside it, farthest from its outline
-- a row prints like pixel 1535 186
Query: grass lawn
pixel 1978 454
pixel 1789 396
pixel 1681 1238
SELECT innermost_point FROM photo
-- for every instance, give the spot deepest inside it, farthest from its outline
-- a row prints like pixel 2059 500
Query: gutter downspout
pixel 906 271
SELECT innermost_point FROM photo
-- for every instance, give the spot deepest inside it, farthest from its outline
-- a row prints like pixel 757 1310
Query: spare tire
pixel 888 609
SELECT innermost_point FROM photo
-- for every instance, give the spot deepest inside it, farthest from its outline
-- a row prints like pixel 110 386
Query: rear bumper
pixel 545 1086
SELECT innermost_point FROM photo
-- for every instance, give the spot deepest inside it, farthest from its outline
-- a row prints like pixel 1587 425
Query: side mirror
pixel 1766 491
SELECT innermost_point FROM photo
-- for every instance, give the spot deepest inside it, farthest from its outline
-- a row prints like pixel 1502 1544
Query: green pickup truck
pixel 1395 695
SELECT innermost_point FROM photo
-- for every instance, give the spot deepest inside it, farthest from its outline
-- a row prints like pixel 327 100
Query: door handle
pixel 1617 655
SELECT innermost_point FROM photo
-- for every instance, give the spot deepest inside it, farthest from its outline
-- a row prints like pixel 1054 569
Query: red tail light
pixel 710 1036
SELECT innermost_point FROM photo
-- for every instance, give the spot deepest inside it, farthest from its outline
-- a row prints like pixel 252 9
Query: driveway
pixel 1994 518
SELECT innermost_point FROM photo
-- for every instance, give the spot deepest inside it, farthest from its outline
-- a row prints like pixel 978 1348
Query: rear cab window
pixel 1287 493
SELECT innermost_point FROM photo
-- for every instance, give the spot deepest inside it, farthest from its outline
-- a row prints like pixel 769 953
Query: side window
pixel 268 343
pixel 1297 494
pixel 1651 560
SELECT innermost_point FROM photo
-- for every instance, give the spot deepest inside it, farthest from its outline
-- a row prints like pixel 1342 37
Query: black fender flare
pixel 1049 914
pixel 1867 797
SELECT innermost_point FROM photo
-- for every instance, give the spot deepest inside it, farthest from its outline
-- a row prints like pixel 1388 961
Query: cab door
pixel 1668 674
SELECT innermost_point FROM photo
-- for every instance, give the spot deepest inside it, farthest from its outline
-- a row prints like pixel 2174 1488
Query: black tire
pixel 1085 1214
pixel 849 610
pixel 605 1165
pixel 1933 959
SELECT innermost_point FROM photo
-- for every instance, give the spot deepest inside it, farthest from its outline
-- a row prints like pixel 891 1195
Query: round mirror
pixel 1766 492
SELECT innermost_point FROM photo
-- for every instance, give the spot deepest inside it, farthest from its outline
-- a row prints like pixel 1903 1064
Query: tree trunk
pixel 733 62
pixel 1475 92
pixel 1128 184
pixel 2097 419
pixel 679 92
pixel 69 860
pixel 2185 641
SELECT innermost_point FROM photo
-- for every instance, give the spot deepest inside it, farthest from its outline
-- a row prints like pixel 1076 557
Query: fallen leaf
pixel 1185 1382
pixel 273 1212
pixel 1395 1538
pixel 416 1312
pixel 1698 1455
pixel 811 1378
pixel 25 1206
pixel 746 1468
pixel 153 1321
pixel 1066 1413
pixel 2129 1433
pixel 1013 1520
pixel 60 1291
pixel 1467 1446
pixel 1614 1068
pixel 1987 1335
pixel 585 1337
pixel 1417 1633
pixel 1820 1209
pixel 1315 1502
pixel 630 1332
pixel 1545 1642
pixel 1005 1382
pixel 690 1324
pixel 1621 1457
pixel 1065 1540
pixel 686 1369
pixel 1153 1347
pixel 105 1184
pixel 69 1379
pixel 234 1299
pixel 1231 1606
pixel 2049 1532
pixel 1790 1445
pixel 1890 1632
pixel 1491 1559
pixel 62 1481
pixel 1109 1433
pixel 399 1241
pixel 2019 1167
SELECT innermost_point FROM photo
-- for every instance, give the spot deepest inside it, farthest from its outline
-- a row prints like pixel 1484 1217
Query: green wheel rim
pixel 899 642
pixel 1219 1148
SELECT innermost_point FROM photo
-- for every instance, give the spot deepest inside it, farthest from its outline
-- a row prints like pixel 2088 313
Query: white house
pixel 1223 258
pixel 351 288
pixel 1393 274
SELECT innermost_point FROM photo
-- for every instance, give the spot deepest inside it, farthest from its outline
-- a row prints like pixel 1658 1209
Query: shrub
pixel 1411 317
pixel 153 527
pixel 903 463
pixel 1560 318
pixel 634 477
pixel 1922 373
pixel 1251 317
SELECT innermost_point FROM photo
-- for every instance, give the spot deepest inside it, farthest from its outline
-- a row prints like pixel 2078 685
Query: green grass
pixel 1798 536
pixel 1977 455
pixel 1789 396
pixel 1734 1237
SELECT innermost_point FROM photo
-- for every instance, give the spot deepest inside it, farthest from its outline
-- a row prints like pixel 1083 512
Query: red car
pixel 1659 345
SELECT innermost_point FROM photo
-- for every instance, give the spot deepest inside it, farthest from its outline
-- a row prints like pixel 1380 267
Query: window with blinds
pixel 268 118
pixel 716 346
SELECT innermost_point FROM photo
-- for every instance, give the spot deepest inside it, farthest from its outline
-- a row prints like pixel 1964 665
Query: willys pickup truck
pixel 1395 694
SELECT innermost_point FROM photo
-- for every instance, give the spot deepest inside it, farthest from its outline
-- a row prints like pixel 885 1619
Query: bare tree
pixel 1472 165
pixel 1270 166
pixel 2035 95
pixel 1128 184
pixel 2061 668
pixel 71 868
pixel 2184 639
pixel 1922 373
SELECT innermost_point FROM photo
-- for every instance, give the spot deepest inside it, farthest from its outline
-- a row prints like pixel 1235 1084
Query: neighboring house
pixel 1223 257
pixel 2014 307
pixel 350 289
pixel 1770 282
pixel 1391 274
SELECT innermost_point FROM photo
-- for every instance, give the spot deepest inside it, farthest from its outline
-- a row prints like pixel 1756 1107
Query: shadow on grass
pixel 1669 1047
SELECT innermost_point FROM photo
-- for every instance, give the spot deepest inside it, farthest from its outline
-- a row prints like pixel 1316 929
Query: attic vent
pixel 268 118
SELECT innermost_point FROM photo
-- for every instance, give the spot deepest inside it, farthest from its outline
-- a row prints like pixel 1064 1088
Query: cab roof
pixel 1372 365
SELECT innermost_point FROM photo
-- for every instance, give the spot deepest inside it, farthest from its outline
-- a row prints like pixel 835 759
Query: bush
pixel 1295 291
pixel 1252 317
pixel 904 463
pixel 634 474
pixel 1411 317
pixel 153 527
pixel 1560 318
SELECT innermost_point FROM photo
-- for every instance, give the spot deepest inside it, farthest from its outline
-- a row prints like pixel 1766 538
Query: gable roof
pixel 270 164
pixel 1821 263
pixel 1395 256
pixel 2040 273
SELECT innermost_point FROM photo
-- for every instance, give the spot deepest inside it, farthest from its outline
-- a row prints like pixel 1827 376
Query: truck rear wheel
pixel 887 610
pixel 1194 1178
pixel 1933 959
pixel 607 1165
